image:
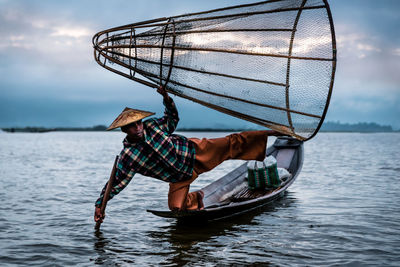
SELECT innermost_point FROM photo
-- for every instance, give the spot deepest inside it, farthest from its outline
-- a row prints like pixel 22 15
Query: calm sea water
pixel 344 208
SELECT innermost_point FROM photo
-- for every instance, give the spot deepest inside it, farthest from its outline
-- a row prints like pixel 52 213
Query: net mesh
pixel 271 63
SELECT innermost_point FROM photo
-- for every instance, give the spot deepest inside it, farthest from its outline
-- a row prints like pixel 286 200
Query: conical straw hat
pixel 127 116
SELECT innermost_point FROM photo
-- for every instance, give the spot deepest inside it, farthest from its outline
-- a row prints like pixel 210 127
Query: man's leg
pixel 250 145
pixel 178 197
pixel 210 153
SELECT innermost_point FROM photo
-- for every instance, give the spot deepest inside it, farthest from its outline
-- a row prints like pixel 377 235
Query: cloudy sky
pixel 49 77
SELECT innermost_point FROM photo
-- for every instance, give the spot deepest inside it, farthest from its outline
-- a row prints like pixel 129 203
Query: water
pixel 344 208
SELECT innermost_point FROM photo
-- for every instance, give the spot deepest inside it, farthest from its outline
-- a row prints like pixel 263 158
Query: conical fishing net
pixel 271 63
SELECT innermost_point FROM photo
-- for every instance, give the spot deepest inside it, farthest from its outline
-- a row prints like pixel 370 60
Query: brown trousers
pixel 250 145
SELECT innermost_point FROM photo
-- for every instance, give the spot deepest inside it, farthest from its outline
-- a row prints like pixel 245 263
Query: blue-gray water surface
pixel 343 209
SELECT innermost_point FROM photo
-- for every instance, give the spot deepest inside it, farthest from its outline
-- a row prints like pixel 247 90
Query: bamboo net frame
pixel 272 62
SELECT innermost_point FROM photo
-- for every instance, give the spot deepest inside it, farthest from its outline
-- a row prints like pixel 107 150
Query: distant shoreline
pixel 328 127
pixel 98 128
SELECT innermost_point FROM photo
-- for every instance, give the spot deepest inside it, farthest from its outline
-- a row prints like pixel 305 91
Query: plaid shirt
pixel 161 154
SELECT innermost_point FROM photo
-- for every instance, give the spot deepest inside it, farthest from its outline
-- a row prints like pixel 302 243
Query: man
pixel 151 149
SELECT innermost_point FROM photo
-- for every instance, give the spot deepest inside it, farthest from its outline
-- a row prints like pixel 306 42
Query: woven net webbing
pixel 271 63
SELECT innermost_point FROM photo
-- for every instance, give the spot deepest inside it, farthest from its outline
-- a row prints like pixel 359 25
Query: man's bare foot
pixel 200 196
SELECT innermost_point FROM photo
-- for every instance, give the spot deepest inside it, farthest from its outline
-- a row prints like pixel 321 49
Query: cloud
pixel 74 31
pixel 45 36
pixel 47 61
pixel 367 84
pixel 14 41
pixel 358 45
pixel 364 48
pixel 367 47
pixel 43 39
pixel 369 104
pixel 364 56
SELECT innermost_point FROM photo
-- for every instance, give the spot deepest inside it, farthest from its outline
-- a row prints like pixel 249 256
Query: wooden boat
pixel 229 196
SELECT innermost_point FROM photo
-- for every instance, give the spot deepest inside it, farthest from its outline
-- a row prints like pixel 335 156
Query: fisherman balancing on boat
pixel 152 149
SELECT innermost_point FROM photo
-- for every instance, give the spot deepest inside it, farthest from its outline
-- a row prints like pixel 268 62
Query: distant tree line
pixel 326 127
pixel 96 128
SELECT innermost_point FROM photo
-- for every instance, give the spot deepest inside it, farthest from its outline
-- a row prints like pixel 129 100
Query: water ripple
pixel 342 211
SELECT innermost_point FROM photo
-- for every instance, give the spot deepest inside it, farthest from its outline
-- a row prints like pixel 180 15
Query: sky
pixel 49 76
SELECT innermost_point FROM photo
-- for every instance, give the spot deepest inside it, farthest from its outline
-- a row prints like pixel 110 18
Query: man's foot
pixel 200 196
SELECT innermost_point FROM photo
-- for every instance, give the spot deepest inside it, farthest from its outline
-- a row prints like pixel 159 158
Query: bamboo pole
pixel 150 34
pixel 107 192
pixel 217 50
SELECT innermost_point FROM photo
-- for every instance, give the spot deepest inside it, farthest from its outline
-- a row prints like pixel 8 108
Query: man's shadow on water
pixel 183 236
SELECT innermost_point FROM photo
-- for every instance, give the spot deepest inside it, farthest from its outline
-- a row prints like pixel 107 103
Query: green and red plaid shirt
pixel 161 154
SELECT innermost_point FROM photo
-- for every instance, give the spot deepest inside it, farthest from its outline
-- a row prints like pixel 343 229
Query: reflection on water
pixel 183 237
pixel 342 210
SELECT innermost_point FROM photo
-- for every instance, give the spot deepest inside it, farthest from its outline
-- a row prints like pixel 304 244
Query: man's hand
pixel 98 216
pixel 161 90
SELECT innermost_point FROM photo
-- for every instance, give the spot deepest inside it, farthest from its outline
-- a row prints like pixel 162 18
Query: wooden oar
pixel 107 192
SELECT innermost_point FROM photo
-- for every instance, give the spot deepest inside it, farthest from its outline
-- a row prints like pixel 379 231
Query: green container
pixel 251 174
pixel 257 175
pixel 272 170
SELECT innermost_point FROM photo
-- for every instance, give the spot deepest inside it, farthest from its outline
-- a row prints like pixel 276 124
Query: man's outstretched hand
pixel 98 216
pixel 161 90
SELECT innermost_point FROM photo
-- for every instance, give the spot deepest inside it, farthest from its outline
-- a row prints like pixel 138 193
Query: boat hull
pixel 219 196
